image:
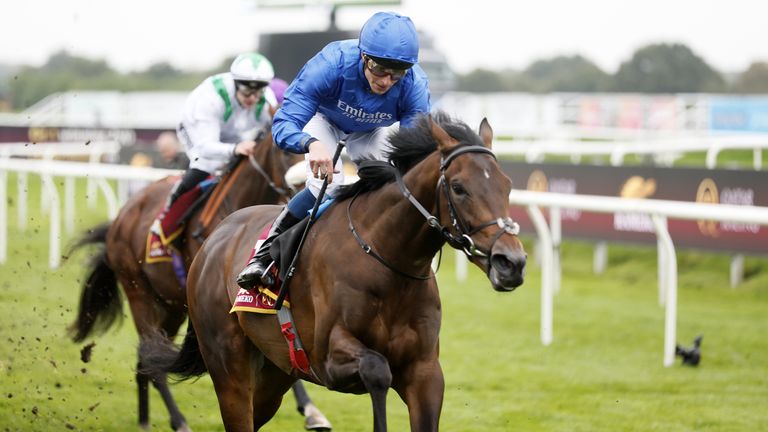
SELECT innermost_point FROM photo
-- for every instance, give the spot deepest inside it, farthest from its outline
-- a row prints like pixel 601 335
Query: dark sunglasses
pixel 380 71
pixel 249 91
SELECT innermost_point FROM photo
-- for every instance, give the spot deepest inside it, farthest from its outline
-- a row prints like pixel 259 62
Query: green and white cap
pixel 252 67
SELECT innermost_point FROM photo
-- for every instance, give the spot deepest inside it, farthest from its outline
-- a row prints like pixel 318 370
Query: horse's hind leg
pixel 314 419
pixel 173 320
pixel 271 385
pixel 231 360
pixel 149 319
pixel 249 387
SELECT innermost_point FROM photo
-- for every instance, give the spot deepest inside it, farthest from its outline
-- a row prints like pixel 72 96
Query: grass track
pixel 602 373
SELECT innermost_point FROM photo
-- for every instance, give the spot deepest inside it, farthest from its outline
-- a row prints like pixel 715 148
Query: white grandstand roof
pixel 108 109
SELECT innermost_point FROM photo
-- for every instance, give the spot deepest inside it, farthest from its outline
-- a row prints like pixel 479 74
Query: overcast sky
pixel 131 35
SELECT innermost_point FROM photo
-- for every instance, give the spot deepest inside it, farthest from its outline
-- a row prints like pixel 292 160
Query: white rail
pixel 49 150
pixel 663 150
pixel 95 151
pixel 658 210
pixel 98 173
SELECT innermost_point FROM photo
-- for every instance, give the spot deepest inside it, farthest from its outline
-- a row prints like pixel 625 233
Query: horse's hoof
pixel 183 428
pixel 315 420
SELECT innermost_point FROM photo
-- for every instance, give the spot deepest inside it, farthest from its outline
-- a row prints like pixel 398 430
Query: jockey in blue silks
pixel 359 90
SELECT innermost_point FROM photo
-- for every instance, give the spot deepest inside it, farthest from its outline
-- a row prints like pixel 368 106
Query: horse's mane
pixel 408 147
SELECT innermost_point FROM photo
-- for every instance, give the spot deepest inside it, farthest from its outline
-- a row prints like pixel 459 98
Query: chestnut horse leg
pixel 249 387
pixel 149 319
pixel 352 362
pixel 271 385
pixel 421 386
pixel 232 366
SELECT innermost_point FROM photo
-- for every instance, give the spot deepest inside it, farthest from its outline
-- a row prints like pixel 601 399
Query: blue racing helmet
pixel 390 36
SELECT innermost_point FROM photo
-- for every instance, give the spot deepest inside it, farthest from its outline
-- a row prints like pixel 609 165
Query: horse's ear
pixel 445 143
pixel 486 132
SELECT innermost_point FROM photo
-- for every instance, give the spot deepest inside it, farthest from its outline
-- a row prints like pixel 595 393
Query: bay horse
pixel 155 295
pixel 364 296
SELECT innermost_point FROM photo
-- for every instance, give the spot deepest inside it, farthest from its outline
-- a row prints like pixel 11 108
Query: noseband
pixel 461 241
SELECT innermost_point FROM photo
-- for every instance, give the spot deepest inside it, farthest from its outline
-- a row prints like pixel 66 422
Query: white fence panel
pixel 97 173
pixel 658 210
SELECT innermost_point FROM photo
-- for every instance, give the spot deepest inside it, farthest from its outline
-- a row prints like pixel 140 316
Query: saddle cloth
pixel 170 223
pixel 263 300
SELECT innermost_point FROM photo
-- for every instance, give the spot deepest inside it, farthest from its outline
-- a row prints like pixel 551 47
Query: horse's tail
pixel 159 356
pixel 100 302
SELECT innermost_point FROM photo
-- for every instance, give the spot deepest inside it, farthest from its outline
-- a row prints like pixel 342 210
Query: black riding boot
pixel 255 271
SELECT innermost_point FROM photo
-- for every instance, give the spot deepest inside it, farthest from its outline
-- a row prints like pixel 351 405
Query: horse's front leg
pixel 352 367
pixel 421 386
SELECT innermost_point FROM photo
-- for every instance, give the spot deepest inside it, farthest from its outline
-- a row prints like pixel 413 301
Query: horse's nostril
pixel 502 264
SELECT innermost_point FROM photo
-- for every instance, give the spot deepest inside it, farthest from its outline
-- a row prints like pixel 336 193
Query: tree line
pixel 657 68
pixel 23 86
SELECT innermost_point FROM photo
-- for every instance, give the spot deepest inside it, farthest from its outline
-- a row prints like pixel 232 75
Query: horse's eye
pixel 458 189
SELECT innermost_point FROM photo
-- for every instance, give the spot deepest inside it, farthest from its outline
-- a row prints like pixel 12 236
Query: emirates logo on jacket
pixel 359 115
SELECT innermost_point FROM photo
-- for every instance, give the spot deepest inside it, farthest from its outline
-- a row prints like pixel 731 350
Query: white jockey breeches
pixel 359 145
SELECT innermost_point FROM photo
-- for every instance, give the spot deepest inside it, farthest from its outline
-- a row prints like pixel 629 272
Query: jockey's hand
pixel 245 148
pixel 320 161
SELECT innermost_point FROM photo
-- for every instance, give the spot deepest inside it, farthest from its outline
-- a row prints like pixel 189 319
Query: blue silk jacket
pixel 333 83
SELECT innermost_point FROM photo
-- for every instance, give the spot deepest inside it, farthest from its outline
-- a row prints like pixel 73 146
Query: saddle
pixel 160 240
pixel 165 233
pixel 261 299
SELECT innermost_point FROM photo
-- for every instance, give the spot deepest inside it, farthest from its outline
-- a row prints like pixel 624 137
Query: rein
pixel 287 193
pixel 463 241
pixel 218 197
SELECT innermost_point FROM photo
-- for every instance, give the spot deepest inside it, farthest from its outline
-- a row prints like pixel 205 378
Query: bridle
pixel 462 240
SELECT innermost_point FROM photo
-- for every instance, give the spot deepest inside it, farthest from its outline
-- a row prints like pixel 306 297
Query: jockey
pixel 221 118
pixel 278 86
pixel 356 90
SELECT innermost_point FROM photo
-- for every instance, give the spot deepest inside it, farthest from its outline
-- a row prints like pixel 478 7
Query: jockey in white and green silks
pixel 221 118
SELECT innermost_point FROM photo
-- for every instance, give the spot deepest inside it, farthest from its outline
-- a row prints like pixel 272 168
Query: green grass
pixel 603 371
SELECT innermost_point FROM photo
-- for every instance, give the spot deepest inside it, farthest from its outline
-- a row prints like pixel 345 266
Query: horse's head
pixel 473 202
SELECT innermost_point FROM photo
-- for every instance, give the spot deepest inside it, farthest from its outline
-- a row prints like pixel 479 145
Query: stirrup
pixel 267 279
pixel 254 279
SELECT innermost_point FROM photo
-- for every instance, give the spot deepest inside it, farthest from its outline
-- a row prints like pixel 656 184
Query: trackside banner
pixel 737 187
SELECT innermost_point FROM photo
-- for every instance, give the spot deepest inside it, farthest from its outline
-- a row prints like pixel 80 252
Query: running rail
pixel 98 174
pixel 658 210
